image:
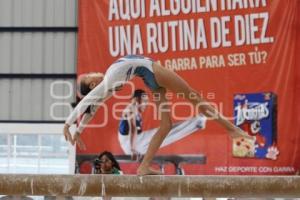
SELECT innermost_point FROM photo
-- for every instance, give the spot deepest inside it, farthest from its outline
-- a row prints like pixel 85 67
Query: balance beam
pixel 150 186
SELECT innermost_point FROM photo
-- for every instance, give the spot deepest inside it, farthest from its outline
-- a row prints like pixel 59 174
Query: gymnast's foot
pixel 142 171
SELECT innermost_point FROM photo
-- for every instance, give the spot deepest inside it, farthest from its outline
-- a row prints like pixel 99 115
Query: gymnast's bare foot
pixel 142 171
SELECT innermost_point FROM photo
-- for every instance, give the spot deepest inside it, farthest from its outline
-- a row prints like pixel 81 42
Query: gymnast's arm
pixel 88 116
pixel 98 94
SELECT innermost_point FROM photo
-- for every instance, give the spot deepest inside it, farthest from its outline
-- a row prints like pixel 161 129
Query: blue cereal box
pixel 256 114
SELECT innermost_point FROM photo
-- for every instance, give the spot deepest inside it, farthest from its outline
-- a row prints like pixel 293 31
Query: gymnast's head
pixel 87 82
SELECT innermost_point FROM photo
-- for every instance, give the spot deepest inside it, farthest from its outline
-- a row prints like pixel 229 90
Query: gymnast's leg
pixel 170 80
pixel 158 138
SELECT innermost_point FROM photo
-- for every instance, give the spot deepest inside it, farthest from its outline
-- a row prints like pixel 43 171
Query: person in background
pixel 106 163
pixel 135 141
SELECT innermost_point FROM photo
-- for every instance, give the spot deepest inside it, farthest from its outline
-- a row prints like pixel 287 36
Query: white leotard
pixel 117 74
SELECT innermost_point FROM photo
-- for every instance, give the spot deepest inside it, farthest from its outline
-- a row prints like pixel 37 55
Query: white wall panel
pixel 5 100
pixel 37 52
pixel 37 99
pixel 6 12
pixel 5 52
pixel 38 12
pixel 16 99
pixel 25 99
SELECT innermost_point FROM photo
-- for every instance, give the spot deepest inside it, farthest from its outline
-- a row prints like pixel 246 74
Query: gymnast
pixel 96 88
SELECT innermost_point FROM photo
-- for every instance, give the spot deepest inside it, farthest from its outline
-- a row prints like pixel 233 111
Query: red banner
pixel 239 55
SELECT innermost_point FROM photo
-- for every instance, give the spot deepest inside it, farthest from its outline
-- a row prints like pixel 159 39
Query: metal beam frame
pixel 39 29
pixel 151 186
pixel 36 76
pixel 32 121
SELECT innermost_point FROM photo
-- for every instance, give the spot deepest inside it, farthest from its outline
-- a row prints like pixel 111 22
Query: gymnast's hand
pixel 78 141
pixel 67 134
